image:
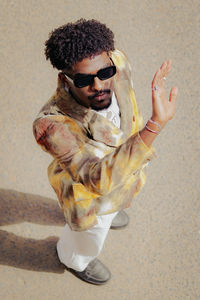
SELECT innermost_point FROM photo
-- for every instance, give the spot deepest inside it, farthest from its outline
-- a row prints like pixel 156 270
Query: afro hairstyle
pixel 73 42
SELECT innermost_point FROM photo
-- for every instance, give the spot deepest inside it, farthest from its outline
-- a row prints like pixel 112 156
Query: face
pixel 97 95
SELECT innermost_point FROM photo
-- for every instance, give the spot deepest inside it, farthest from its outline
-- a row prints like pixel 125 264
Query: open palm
pixel 163 108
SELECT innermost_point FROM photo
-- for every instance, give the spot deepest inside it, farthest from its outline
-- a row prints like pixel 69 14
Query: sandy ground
pixel 157 256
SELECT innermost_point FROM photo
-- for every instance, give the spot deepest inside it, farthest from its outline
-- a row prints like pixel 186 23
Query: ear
pixel 62 77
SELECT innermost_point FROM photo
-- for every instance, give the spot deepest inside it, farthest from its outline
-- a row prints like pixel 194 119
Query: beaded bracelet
pixel 155 123
pixel 151 130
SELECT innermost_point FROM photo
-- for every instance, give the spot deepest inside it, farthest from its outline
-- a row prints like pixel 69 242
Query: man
pixel 92 128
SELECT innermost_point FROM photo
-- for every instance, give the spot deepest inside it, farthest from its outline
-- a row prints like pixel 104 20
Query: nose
pixel 97 84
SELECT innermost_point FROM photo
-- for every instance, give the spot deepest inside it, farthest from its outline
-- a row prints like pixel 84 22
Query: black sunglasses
pixel 82 80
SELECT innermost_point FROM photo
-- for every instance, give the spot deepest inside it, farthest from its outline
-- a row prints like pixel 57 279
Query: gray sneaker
pixel 95 273
pixel 120 220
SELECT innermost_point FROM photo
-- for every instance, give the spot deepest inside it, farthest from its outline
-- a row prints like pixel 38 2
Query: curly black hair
pixel 72 42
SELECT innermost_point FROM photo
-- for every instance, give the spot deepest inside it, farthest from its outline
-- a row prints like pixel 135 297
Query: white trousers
pixel 77 249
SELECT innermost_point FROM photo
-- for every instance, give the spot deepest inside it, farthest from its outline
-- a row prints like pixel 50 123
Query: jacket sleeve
pixel 65 142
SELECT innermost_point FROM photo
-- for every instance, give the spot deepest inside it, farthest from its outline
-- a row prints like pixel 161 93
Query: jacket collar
pixel 96 125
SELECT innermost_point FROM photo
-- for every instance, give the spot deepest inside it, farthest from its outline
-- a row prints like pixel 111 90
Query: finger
pixel 173 94
pixel 168 68
pixel 165 69
pixel 156 78
pixel 161 73
pixel 169 62
pixel 162 70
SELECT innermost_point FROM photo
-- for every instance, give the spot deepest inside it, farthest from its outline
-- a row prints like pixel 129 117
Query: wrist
pixel 157 120
pixel 153 126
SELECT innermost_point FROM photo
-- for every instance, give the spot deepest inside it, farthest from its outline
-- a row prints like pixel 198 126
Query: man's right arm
pixel 64 142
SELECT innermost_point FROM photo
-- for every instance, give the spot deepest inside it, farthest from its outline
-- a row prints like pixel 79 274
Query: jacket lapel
pixel 125 106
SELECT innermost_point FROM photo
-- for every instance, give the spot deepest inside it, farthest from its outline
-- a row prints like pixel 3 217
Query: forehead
pixel 92 64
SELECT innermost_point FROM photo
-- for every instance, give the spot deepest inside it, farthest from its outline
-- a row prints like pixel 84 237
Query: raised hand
pixel 163 108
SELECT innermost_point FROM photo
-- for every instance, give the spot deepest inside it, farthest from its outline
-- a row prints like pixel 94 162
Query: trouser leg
pixel 77 249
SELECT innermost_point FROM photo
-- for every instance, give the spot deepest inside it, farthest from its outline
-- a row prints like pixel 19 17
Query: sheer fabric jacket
pixel 97 168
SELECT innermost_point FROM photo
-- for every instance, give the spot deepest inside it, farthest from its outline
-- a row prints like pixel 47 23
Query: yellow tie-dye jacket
pixel 97 168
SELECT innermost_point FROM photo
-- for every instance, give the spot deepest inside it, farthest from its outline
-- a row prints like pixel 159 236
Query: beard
pixel 102 104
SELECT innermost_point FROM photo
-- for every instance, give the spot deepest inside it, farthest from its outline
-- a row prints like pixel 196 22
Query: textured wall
pixel 163 239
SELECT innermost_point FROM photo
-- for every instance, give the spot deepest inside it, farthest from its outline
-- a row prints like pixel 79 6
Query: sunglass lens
pixel 82 81
pixel 107 72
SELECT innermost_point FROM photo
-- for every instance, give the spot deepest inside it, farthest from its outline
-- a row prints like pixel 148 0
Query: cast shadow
pixel 27 253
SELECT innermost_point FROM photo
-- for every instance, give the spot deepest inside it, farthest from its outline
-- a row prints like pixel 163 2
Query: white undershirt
pixel 112 112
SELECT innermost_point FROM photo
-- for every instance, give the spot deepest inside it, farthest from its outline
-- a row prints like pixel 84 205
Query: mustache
pixel 99 93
